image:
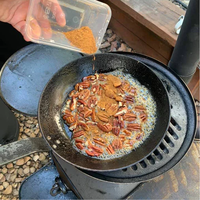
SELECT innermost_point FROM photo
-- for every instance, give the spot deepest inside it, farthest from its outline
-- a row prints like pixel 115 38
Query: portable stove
pixel 123 183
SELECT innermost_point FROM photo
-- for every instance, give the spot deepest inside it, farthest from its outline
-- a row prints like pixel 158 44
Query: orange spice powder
pixel 83 39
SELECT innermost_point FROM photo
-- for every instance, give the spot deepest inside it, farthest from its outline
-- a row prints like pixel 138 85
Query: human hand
pixel 15 12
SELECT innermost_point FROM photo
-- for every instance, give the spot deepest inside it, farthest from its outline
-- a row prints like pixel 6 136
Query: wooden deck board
pixel 160 16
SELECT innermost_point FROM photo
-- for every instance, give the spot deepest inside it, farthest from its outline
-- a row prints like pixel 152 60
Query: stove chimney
pixel 185 57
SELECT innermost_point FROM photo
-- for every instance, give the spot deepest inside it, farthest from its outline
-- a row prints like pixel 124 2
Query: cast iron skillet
pixel 57 133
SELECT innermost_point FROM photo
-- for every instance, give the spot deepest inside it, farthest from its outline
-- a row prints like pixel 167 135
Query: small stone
pixel 37 131
pixel 16 114
pixel 35 158
pixel 21 172
pixel 16 166
pixel 21 124
pixel 26 170
pixel 10 171
pixel 29 122
pixel 20 162
pixel 13 177
pixel 14 185
pixel 111 39
pixel 2 178
pixel 28 163
pixel 24 136
pixel 44 162
pixel 27 130
pixel 1 187
pixel 109 31
pixel 104 45
pixel 42 157
pixel 26 159
pixel 123 47
pixel 5 184
pixel 10 165
pixel 21 129
pixel 46 154
pixel 32 170
pixel 4 170
pixel 16 171
pixel 8 190
pixel 18 180
pixel 8 177
pixel 15 192
pixel 36 165
pixel 22 118
pixel 24 166
pixel 32 135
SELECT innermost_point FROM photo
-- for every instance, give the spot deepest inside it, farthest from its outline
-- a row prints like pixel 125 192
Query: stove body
pixel 123 184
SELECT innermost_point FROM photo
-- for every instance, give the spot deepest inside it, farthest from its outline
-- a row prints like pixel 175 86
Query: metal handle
pixel 21 148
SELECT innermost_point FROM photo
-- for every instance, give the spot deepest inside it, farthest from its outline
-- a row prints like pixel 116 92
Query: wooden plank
pixel 154 14
pixel 136 43
pixel 147 36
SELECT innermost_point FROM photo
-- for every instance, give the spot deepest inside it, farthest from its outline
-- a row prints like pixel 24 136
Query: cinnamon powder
pixel 83 39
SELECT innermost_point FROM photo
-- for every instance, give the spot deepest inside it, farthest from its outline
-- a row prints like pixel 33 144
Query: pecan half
pixel 103 116
pixel 140 136
pixel 129 117
pixel 133 127
pixel 116 130
pixel 82 102
pixel 115 80
pixel 105 127
pixel 91 152
pixel 122 110
pixel 84 85
pixel 73 103
pixel 121 122
pixel 93 115
pixel 95 89
pixel 89 78
pixel 130 98
pixel 110 150
pixel 97 149
pixel 140 108
pixel 92 102
pixel 79 146
pixel 99 140
pixel 69 119
pixel 117 144
pixel 78 134
pixel 128 133
pixel 132 90
pixel 79 141
pixel 83 125
pixel 84 94
pixel 143 117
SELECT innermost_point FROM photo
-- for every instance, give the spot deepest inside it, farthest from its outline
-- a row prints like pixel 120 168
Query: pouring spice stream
pixel 83 39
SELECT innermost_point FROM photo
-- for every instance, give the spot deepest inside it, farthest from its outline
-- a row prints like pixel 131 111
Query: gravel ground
pixel 12 174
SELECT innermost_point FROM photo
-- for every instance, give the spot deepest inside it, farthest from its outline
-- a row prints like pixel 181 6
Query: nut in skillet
pixel 109 115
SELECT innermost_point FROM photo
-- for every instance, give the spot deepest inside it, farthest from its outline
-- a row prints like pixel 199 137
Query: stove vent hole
pixel 134 167
pixel 151 160
pixel 143 164
pixel 158 155
pixel 172 133
pixel 169 142
pixel 164 148
pixel 175 124
pixel 124 170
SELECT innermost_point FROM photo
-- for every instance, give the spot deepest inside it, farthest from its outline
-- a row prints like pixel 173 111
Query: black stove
pixel 61 180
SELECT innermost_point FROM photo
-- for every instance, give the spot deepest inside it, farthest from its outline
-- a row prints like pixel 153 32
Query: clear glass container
pixel 48 20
